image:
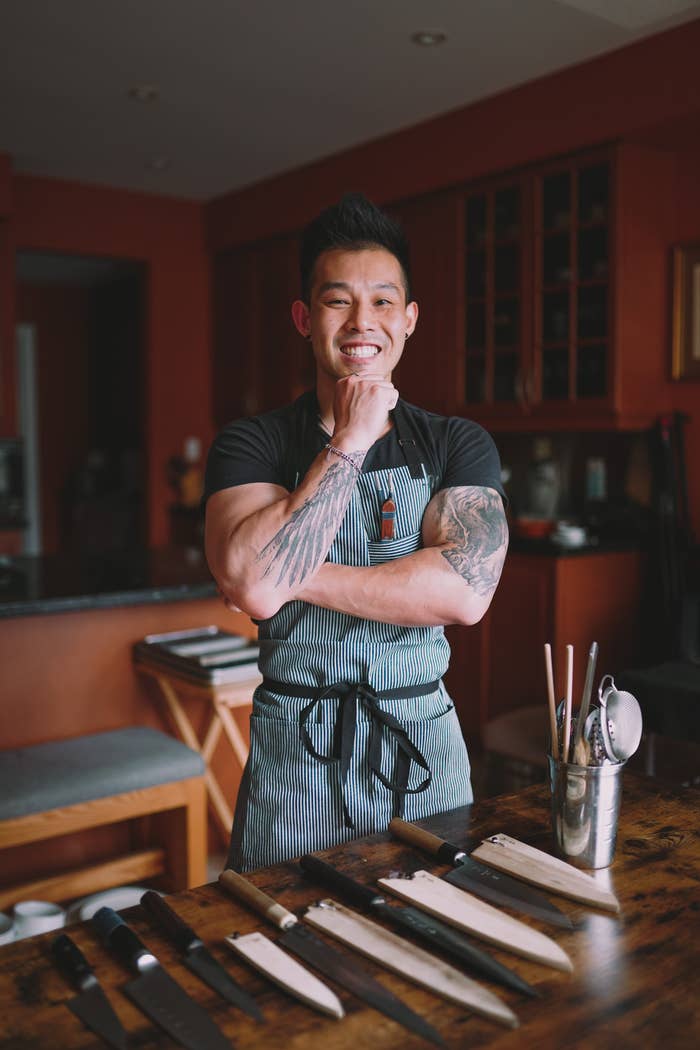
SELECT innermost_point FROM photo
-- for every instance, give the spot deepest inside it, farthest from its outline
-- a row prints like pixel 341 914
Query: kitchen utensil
pixel 415 964
pixel 466 912
pixel 567 701
pixel 549 672
pixel 287 973
pixel 91 1006
pixel 154 991
pixel 593 736
pixel 438 935
pixel 581 750
pixel 301 941
pixel 585 810
pixel 196 956
pixel 620 721
pixel 535 866
pixel 478 878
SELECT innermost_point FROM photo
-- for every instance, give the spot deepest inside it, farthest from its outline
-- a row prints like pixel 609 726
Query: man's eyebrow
pixel 328 286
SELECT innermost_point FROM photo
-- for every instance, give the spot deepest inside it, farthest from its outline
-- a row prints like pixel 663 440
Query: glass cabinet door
pixel 571 278
pixel 494 296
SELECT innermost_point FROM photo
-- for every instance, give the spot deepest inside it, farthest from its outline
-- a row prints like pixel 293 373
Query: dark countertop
pixel 73 582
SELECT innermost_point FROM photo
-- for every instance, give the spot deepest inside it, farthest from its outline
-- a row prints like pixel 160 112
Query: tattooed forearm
pixel 474 525
pixel 303 542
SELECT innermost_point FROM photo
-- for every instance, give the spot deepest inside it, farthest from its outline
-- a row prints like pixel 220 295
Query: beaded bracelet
pixel 345 456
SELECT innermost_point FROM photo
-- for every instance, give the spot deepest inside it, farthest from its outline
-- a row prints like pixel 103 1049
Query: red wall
pixel 165 233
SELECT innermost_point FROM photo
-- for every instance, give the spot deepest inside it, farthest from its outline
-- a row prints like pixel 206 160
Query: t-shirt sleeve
pixel 244 452
pixel 472 457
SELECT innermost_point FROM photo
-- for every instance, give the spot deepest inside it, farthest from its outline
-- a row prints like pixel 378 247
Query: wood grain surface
pixel 636 976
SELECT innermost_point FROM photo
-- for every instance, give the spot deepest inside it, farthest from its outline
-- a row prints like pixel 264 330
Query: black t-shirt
pixel 278 448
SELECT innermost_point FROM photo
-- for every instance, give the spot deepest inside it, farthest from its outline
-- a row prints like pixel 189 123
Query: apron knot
pixel 349 695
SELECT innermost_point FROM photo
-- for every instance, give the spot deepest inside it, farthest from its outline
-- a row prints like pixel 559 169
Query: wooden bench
pixel 135 774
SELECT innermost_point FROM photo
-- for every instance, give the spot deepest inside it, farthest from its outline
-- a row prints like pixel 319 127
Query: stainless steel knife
pixel 154 991
pixel 327 960
pixel 92 1005
pixel 195 956
pixel 435 933
pixel 480 879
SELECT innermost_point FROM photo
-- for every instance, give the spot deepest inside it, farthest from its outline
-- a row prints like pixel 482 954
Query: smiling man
pixel 352 526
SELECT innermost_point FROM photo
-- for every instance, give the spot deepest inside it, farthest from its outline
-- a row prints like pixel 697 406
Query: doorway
pixel 87 318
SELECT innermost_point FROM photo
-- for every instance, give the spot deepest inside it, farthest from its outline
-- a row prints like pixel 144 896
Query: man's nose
pixel 360 317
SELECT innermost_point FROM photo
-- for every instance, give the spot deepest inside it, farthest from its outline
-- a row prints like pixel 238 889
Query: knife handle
pixel 183 937
pixel 444 851
pixel 266 906
pixel 355 892
pixel 120 938
pixel 71 961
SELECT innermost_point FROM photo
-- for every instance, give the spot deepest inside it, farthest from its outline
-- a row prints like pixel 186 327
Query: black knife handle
pixel 356 892
pixel 183 937
pixel 71 961
pixel 120 938
pixel 415 836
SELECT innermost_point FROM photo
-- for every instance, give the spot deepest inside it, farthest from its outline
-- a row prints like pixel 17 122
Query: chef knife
pixel 278 966
pixel 467 912
pixel 196 956
pixel 480 879
pixel 154 991
pixel 92 1005
pixel 435 933
pixel 387 948
pixel 327 960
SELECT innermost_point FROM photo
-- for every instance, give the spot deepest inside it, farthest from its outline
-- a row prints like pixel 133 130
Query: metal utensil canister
pixel 585 811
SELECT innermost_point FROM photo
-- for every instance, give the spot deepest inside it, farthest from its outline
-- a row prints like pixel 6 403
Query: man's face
pixel 358 318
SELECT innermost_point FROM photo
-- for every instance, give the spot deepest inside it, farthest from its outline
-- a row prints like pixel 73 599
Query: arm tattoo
pixel 304 541
pixel 474 525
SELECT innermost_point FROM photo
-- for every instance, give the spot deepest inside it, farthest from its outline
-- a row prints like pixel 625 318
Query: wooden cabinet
pixel 498 665
pixel 565 293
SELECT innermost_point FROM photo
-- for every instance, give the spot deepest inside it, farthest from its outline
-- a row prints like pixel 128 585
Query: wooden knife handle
pixel 259 901
pixel 423 839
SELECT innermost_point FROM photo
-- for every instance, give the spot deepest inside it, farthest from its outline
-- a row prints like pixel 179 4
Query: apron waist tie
pixel 344 733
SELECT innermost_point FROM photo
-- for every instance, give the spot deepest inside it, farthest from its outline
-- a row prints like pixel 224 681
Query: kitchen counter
pixel 634 983
pixel 74 582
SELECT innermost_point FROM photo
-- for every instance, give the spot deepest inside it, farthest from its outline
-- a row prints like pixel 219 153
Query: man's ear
pixel 411 317
pixel 302 318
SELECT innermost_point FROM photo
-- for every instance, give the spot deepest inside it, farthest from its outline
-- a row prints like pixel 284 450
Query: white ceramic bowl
pixel 32 917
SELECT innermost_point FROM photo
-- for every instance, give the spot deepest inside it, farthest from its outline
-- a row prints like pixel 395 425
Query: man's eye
pixel 383 302
pixel 336 302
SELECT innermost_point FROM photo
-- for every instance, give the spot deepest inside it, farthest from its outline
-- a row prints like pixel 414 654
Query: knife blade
pixel 327 960
pixel 480 879
pixel 92 1006
pixel 368 937
pixel 154 991
pixel 467 912
pixel 195 956
pixel 435 933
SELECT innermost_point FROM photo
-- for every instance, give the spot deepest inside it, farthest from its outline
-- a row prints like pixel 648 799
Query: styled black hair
pixel 354 223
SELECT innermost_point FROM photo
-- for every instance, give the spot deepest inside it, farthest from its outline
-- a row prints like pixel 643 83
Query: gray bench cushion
pixel 64 772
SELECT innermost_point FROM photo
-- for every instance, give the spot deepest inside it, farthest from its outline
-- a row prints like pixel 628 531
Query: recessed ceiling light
pixel 144 93
pixel 428 37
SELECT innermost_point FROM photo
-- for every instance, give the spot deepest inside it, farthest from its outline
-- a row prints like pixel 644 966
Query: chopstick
pixel 567 702
pixel 551 701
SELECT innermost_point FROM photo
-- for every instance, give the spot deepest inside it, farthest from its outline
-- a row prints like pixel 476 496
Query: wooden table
pixel 636 976
pixel 223 699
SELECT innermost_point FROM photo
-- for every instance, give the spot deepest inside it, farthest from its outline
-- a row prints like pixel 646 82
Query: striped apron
pixel 352 724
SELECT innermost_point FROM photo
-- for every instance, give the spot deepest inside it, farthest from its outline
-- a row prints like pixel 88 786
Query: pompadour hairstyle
pixel 354 223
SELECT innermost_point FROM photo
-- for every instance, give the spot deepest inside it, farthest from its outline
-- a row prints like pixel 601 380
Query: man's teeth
pixel 360 351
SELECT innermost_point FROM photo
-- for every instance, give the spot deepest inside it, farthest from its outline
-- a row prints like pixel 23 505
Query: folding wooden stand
pixel 223 699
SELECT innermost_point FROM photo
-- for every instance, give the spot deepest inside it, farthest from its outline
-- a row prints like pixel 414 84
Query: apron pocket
pixel 383 551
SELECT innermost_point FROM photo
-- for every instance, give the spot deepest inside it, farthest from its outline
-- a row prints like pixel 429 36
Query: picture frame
pixel 686 312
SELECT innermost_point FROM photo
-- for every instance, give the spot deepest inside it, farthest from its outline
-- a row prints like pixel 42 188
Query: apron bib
pixel 352 724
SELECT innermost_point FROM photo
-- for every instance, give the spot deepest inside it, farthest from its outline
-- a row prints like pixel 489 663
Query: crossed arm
pixel 266 547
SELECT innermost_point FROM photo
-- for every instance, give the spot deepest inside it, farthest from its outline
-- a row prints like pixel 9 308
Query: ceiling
pixel 245 91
